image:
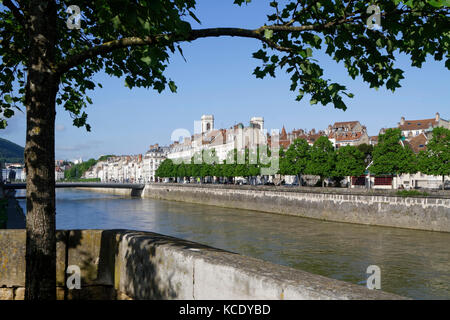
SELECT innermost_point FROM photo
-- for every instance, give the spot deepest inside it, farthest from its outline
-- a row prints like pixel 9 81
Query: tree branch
pixel 104 48
pixel 165 39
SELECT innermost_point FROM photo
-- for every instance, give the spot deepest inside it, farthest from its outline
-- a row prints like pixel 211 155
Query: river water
pixel 413 263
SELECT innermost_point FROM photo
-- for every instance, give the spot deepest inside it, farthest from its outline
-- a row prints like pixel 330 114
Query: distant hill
pixel 10 152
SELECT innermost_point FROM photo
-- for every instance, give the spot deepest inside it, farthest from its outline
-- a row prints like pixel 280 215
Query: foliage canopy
pixel 134 40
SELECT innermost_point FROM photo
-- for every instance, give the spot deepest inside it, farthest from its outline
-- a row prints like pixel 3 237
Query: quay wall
pixel 116 191
pixel 422 213
pixel 121 264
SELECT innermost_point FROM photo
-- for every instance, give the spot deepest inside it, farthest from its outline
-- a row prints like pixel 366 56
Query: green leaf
pixel 8 113
pixel 240 2
pixel 172 86
pixel 268 33
pixel 147 60
pixel 8 98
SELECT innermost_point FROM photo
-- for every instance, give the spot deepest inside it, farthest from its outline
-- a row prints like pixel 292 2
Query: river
pixel 413 263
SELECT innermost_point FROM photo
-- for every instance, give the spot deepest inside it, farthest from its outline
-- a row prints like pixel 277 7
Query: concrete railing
pixel 118 264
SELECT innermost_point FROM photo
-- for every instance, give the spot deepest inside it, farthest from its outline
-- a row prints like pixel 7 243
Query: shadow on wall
pixel 123 264
pixel 114 264
pixel 94 253
pixel 153 267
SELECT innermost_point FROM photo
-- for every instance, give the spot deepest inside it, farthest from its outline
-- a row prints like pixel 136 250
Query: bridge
pixel 134 186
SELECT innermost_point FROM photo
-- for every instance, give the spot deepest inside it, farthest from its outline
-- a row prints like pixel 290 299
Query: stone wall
pixel 116 191
pixel 118 264
pixel 371 208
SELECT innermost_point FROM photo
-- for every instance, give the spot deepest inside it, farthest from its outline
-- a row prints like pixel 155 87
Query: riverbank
pixel 413 263
pixel 373 207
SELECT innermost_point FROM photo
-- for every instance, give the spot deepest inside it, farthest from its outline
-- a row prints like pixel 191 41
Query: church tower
pixel 257 122
pixel 207 123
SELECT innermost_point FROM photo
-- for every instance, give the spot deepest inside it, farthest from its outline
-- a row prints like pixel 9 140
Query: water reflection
pixel 413 263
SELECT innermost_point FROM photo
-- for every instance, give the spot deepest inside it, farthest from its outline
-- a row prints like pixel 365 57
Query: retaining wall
pixel 119 264
pixel 116 191
pixel 423 213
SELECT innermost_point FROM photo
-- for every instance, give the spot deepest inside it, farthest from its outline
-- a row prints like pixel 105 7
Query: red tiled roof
pixel 418 124
pixel 348 136
pixel 418 143
pixel 345 123
pixel 284 143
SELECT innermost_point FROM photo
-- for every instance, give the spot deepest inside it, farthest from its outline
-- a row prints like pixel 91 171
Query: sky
pixel 217 79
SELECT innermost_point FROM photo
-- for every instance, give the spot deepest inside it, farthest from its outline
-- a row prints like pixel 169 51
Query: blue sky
pixel 217 79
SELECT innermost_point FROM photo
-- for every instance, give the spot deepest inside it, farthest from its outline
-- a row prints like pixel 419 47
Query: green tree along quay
pixel 297 157
pixel 322 159
pixel 166 169
pixel 436 159
pixel 391 157
pixel 349 162
pixel 206 164
pixel 45 64
pixel 367 150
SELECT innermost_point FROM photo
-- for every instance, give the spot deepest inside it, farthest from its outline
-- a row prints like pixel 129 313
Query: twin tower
pixel 208 123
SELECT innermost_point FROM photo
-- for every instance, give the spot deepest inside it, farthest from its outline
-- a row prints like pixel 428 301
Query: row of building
pixel 129 169
pixel 142 168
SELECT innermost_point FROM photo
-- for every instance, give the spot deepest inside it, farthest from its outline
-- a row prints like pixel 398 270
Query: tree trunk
pixel 41 88
pixel 443 182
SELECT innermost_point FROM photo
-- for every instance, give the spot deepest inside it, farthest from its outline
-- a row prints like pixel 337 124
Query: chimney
pixel 438 117
pixel 402 121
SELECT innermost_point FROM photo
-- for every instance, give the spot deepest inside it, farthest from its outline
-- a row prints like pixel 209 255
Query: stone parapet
pixel 121 264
